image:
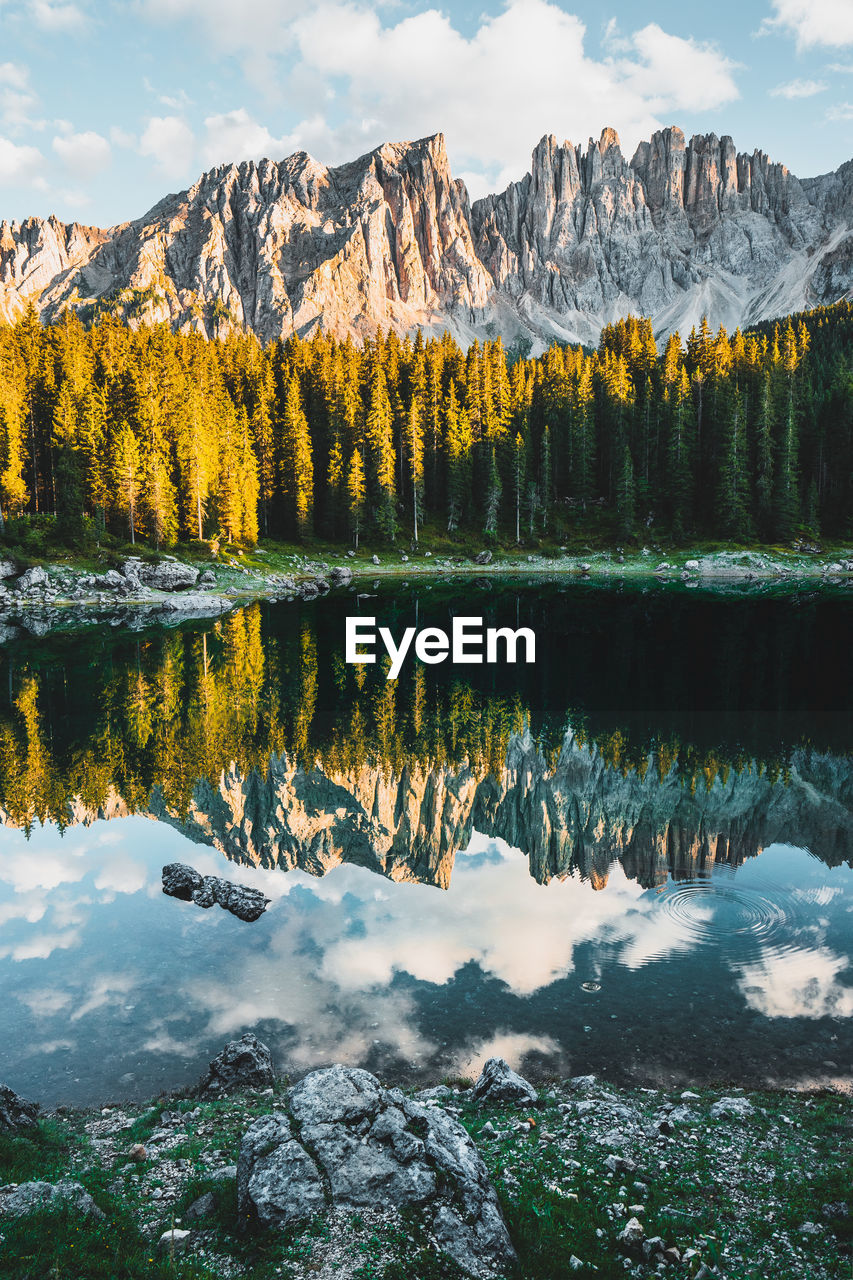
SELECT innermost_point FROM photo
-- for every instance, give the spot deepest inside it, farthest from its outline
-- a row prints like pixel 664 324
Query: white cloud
pixel 798 89
pixel 799 983
pixel 813 22
pixel 234 135
pixel 842 111
pixel 121 138
pixel 170 142
pixel 260 25
pixel 423 75
pixel 51 16
pixel 83 154
pixel 16 97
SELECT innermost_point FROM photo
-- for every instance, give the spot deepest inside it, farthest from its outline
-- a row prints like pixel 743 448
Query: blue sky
pixel 105 107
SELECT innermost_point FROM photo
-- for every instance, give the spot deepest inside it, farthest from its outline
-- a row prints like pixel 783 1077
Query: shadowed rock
pixel 499 1083
pixel 181 881
pixel 243 1064
pixel 17 1115
pixel 348 1142
pixel 29 1197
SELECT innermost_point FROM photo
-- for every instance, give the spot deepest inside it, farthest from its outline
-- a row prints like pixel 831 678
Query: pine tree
pixel 356 492
pixel 127 475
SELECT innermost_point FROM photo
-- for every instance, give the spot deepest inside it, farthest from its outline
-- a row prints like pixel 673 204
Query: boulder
pixel 483 557
pixel 348 1142
pixel 8 568
pixel 29 1197
pixel 340 576
pixel 631 1236
pixel 181 881
pixel 168 575
pixel 735 1108
pixel 374 559
pixel 173 1241
pixel 207 579
pixel 243 1064
pixel 17 1114
pixel 499 1083
pixel 203 1207
pixel 33 579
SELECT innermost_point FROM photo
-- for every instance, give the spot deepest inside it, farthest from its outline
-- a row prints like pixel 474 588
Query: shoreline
pixel 53 595
pixel 719 1181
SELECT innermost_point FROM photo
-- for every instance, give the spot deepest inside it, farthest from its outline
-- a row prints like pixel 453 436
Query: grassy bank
pixel 750 1192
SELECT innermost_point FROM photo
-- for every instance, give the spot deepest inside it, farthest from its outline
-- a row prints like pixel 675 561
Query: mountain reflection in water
pixel 661 743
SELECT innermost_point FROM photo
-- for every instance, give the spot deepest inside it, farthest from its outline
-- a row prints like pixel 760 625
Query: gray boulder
pixel 29 1197
pixel 499 1083
pixel 340 576
pixel 17 1114
pixel 8 568
pixel 207 579
pixel 349 1142
pixel 243 1064
pixel 484 557
pixel 168 575
pixel 33 579
pixel 181 881
pixel 734 1108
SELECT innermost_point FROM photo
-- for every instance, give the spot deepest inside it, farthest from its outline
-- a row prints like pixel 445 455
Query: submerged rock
pixel 499 1083
pixel 243 1064
pixel 349 1142
pixel 181 881
pixel 17 1114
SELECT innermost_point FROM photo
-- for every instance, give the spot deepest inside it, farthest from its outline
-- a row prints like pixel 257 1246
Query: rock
pixel 586 568
pixel 28 1197
pixel 483 557
pixel 838 1209
pixel 243 1064
pixel 173 1241
pixel 692 565
pixel 168 575
pixel 203 1207
pixel 631 1237
pixel 341 575
pixel 737 1108
pixel 374 559
pixel 309 590
pixel 349 1142
pixel 499 1083
pixel 8 568
pixel 207 579
pixel 137 1152
pixel 227 1173
pixel 32 579
pixel 664 565
pixel 181 881
pixel 17 1114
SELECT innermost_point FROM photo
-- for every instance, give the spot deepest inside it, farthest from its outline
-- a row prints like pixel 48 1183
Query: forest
pixel 144 435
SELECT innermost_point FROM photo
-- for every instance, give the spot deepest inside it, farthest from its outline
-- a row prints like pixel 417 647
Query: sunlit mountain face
pixel 644 841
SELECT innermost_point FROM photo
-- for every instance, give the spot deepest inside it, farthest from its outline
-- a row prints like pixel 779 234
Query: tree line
pixel 144 433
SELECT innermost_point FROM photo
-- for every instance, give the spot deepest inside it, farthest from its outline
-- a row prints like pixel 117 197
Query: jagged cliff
pixel 579 814
pixel 681 230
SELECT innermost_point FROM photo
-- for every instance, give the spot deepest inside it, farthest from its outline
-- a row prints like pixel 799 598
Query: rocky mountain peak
pixel 391 240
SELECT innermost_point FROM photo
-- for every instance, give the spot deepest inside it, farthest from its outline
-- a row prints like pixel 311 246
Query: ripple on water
pixel 721 911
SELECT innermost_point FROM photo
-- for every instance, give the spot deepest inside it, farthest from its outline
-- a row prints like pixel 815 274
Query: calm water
pixel 633 858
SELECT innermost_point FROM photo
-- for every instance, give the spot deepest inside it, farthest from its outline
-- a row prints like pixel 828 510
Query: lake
pixel 632 858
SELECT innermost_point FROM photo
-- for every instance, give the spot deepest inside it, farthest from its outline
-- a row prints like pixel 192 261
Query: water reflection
pixel 113 989
pixel 654 770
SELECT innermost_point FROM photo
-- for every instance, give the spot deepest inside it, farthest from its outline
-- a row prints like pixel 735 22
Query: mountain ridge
pixel 391 239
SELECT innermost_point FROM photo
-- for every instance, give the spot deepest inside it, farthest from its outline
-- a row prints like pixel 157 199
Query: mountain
pixel 577 813
pixel 391 239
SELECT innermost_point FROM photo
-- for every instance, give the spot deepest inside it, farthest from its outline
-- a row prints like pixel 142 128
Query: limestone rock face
pixel 17 1114
pixel 390 240
pixel 28 1197
pixel 347 1141
pixel 243 1064
pixel 499 1083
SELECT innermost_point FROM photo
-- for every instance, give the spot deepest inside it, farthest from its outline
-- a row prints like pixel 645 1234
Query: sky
pixel 108 105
